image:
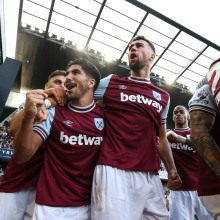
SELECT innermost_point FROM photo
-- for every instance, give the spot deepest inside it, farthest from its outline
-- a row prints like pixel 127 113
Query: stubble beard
pixel 77 95
pixel 180 124
pixel 137 65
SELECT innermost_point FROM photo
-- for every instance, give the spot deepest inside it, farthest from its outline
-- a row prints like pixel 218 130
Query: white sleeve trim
pixel 100 91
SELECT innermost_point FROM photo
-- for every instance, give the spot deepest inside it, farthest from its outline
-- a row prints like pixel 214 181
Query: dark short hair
pixel 139 37
pixel 187 110
pixel 89 68
pixel 57 73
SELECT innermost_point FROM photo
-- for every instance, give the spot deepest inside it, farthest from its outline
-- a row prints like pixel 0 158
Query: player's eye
pixel 140 45
pixel 58 82
pixel 130 47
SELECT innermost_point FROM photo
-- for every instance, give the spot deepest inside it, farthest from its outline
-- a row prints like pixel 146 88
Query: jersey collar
pixel 182 129
pixel 82 109
pixel 139 79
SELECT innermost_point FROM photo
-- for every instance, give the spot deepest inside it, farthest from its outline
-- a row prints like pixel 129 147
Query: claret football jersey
pixel 72 139
pixel 21 176
pixel 134 111
pixel 186 160
pixel 24 175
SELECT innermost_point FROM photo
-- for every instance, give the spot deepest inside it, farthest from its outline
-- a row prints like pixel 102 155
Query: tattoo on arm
pixel 201 124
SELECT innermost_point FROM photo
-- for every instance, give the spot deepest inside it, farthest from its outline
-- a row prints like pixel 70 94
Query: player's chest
pixel 79 123
pixel 130 96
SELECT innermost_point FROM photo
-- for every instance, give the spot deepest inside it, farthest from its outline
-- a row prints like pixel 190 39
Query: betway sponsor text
pixel 141 99
pixel 81 139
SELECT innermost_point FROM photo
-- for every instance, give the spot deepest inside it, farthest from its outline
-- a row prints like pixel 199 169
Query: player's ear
pixel 152 57
pixel 91 83
pixel 188 117
pixel 173 118
pixel 46 86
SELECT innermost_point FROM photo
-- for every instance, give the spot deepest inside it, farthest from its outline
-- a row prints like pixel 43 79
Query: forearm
pixel 17 119
pixel 15 123
pixel 166 156
pixel 26 141
pixel 57 96
pixel 23 146
pixel 201 125
pixel 190 143
pixel 208 150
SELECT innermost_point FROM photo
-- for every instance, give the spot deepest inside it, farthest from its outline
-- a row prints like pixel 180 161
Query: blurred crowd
pixel 6 140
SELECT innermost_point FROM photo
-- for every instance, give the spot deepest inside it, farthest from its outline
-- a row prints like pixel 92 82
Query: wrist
pixel 181 139
pixel 171 172
pixel 27 118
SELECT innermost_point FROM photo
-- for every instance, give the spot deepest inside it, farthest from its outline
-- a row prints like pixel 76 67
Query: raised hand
pixel 34 103
pixel 58 93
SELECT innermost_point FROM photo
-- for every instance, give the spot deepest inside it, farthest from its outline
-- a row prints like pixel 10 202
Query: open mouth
pixel 70 85
pixel 133 55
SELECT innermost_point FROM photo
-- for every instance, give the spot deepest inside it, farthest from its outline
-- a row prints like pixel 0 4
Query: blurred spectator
pixel 6 140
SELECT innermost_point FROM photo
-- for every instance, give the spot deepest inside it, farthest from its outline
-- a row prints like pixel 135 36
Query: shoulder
pixel 203 100
pixel 218 60
pixel 201 96
pixel 164 93
pixel 99 109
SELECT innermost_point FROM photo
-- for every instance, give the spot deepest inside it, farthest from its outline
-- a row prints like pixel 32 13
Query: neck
pixel 144 72
pixel 181 126
pixel 84 100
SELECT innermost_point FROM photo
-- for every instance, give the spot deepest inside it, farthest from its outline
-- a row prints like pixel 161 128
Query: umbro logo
pixel 122 87
pixel 68 123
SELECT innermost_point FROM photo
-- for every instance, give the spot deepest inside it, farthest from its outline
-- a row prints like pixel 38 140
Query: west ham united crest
pixel 99 123
pixel 157 95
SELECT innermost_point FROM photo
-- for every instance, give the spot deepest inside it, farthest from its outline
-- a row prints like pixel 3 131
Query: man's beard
pixel 78 94
pixel 137 65
pixel 72 98
pixel 180 123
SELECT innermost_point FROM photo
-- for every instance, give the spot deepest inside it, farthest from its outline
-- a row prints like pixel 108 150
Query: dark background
pixel 40 57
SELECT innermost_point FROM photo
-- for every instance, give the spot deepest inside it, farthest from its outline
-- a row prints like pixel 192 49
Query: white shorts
pixel 18 205
pixel 184 204
pixel 212 204
pixel 43 212
pixel 127 195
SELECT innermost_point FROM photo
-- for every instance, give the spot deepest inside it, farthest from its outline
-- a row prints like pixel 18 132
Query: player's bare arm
pixel 15 123
pixel 173 136
pixel 56 96
pixel 201 124
pixel 17 119
pixel 40 116
pixel 165 153
pixel 27 141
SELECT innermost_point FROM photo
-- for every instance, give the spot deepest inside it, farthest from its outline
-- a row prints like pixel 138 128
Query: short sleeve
pixel 203 100
pixel 214 81
pixel 100 91
pixel 165 112
pixel 44 128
